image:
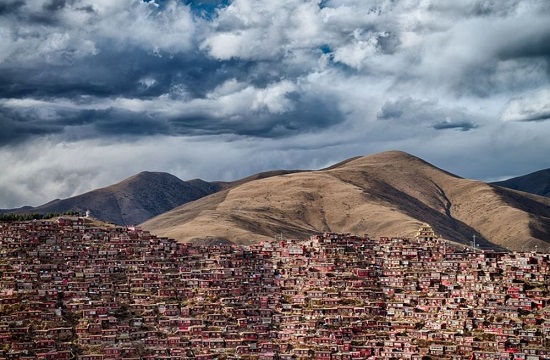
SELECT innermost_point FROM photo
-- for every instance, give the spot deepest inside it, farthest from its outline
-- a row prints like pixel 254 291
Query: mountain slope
pixel 390 194
pixel 537 183
pixel 140 197
pixel 133 200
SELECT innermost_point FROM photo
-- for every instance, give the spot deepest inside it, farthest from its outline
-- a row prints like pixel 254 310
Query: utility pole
pixel 474 242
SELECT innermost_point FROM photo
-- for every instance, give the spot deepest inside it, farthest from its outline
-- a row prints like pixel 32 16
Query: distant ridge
pixel 132 200
pixel 139 197
pixel 389 193
pixel 537 183
pixel 224 185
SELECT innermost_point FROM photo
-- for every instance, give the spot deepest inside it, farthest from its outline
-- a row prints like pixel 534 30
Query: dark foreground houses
pixel 74 289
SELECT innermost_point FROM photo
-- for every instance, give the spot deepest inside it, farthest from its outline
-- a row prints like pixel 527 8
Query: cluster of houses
pixel 70 289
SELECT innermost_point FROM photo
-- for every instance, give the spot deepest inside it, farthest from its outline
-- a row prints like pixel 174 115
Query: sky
pixel 95 91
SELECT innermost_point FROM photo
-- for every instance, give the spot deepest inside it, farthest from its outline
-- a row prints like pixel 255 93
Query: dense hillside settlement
pixel 74 290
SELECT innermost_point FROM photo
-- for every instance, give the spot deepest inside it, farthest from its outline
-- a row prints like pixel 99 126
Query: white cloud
pixel 274 99
pixel 283 84
pixel 224 46
pixel 263 29
pixel 170 30
pixel 75 30
pixel 533 106
pixel 357 53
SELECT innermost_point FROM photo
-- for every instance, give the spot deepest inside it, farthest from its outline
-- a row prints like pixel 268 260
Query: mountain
pixel 133 200
pixel 385 194
pixel 535 183
pixel 139 197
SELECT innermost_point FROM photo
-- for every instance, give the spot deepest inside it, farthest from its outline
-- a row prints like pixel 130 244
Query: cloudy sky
pixel 94 91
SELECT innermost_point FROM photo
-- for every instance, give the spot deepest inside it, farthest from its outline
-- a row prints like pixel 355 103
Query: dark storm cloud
pixel 106 75
pixel 477 8
pixel 112 75
pixel 119 123
pixel 462 126
pixel 54 5
pixel 45 83
pixel 44 15
pixel 309 114
pixel 9 7
pixel 16 127
pixel 275 111
pixel 537 45
pixel 407 111
pixel 539 117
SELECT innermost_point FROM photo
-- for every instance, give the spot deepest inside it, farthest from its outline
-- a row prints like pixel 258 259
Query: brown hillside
pixel 140 197
pixel 390 193
pixel 134 199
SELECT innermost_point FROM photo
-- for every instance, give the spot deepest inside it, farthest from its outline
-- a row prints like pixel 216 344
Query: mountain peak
pixel 392 153
pixel 385 194
pixel 134 199
pixel 152 175
pixel 395 156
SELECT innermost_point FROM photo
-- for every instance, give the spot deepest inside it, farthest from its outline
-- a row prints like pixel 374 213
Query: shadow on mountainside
pixel 443 223
pixel 531 204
